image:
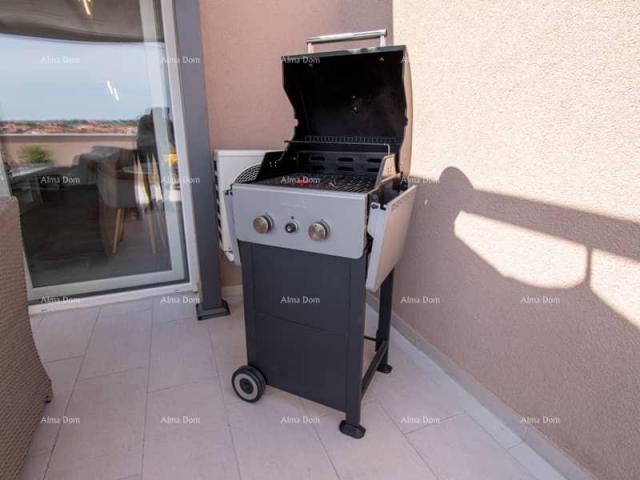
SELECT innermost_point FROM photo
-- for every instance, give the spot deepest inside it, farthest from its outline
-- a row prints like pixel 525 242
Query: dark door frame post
pixel 196 125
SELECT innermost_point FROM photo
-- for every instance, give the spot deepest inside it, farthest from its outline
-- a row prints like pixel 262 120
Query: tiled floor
pixel 142 391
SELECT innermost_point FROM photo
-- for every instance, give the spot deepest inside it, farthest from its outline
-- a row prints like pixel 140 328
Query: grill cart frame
pixel 322 365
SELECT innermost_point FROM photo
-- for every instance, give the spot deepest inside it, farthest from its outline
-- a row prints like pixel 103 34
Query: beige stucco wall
pixel 529 115
pixel 243 42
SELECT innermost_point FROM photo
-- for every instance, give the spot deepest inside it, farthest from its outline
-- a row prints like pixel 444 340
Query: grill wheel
pixel 248 383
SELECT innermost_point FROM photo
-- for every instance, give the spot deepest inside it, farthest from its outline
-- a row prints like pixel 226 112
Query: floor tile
pixel 118 343
pixel 226 364
pixel 180 353
pixel 105 440
pixel 187 435
pixel 65 334
pixel 274 439
pixel 506 436
pixel 108 467
pixel 383 453
pixel 417 356
pixel 124 308
pixel 317 409
pixel 405 371
pixel 534 463
pixel 44 437
pixel 35 321
pixel 156 346
pixel 34 467
pixel 174 307
pixel 235 304
pixel 63 375
pixel 408 395
pixel 458 448
pixel 227 331
pixel 416 404
pixel 370 321
pixel 227 337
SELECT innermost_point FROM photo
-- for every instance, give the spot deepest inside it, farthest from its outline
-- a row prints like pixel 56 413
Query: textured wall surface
pixel 524 253
pixel 243 42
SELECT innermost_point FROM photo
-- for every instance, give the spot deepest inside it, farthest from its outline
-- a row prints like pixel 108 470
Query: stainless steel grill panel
pixel 343 212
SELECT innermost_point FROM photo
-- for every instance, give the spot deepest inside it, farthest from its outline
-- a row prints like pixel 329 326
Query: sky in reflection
pixel 54 79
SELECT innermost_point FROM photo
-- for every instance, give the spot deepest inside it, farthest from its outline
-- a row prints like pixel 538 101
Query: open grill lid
pixel 359 96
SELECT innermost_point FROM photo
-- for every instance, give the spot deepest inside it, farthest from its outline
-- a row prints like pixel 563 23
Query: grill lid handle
pixel 347 37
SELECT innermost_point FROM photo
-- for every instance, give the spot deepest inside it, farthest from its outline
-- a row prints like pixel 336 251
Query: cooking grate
pixel 338 183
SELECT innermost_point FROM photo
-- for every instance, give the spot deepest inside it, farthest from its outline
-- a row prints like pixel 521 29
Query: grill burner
pixel 311 181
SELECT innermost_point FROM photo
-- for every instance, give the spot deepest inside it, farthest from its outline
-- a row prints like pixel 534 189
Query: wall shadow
pixel 576 360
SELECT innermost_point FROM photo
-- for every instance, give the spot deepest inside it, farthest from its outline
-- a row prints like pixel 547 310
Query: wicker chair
pixel 24 384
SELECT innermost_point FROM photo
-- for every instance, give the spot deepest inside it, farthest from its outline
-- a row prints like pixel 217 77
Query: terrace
pixel 515 340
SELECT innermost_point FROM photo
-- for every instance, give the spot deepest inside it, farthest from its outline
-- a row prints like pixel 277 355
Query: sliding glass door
pixel 88 115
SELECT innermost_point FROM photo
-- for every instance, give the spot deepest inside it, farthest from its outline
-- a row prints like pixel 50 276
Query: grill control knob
pixel 291 227
pixel 262 224
pixel 318 231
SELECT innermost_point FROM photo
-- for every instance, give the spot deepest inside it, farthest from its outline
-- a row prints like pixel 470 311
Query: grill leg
pixel 384 320
pixel 351 425
pixel 353 430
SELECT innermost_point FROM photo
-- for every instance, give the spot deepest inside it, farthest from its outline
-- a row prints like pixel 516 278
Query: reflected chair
pixel 122 186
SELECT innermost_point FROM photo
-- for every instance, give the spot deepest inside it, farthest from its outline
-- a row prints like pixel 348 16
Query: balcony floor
pixel 142 391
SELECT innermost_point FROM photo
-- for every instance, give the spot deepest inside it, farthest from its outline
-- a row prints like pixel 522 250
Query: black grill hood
pixel 347 96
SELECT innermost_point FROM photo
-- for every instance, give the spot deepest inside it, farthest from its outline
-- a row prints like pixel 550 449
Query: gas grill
pixel 323 221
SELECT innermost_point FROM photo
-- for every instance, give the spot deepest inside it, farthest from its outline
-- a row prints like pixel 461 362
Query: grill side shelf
pixel 388 227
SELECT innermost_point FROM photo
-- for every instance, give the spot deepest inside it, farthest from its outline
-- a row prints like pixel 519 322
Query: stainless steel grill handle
pixel 347 37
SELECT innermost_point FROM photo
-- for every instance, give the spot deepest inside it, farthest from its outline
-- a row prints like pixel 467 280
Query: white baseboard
pixel 544 447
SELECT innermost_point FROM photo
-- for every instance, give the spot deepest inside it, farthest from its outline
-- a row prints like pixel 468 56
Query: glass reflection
pixel 89 150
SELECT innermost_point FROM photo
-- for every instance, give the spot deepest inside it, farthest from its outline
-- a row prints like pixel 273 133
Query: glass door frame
pixel 58 297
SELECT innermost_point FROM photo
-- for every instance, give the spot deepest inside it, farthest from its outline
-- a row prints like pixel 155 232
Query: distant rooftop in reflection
pixel 48 127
